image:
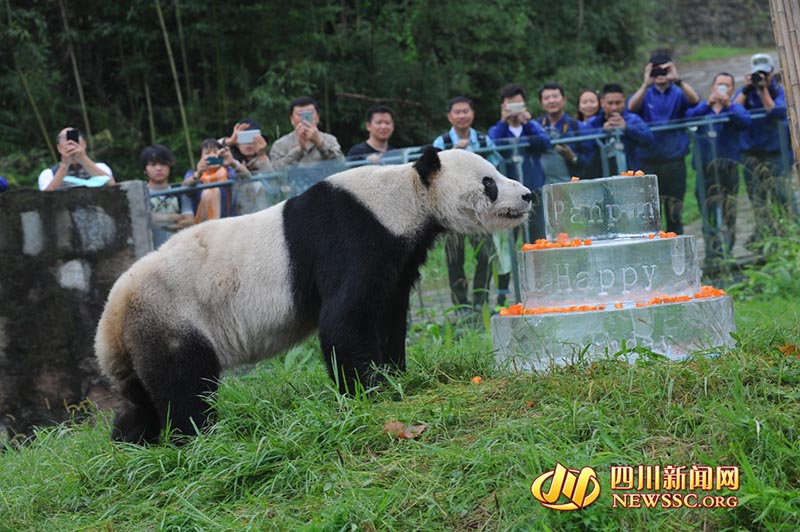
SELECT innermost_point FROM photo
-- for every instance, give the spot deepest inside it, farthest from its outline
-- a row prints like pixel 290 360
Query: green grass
pixel 288 453
pixel 709 52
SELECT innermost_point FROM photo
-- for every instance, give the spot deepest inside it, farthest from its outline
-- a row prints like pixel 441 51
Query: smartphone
pixel 214 161
pixel 722 89
pixel 307 116
pixel 73 134
pixel 247 136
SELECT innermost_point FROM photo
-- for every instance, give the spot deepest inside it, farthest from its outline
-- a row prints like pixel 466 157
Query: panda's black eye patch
pixel 490 188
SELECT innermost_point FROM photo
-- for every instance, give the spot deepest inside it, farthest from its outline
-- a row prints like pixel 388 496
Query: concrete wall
pixel 60 253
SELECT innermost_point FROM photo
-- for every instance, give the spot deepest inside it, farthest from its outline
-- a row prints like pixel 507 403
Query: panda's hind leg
pixel 136 419
pixel 179 374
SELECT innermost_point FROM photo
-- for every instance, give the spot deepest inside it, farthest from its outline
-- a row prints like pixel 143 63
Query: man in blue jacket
pixel 663 97
pixel 516 125
pixel 766 172
pixel 612 117
pixel 461 114
pixel 717 157
pixel 568 159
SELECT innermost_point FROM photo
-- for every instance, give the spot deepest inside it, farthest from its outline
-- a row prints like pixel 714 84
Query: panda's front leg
pixel 350 341
pixel 394 327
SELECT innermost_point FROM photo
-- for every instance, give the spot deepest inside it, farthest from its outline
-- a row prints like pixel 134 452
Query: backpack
pixel 448 143
pixel 570 125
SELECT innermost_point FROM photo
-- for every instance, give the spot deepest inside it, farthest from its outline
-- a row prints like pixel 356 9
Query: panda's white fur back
pixel 244 306
pixel 397 199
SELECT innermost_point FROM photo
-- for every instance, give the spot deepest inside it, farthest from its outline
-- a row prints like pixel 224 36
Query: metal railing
pixel 294 180
pixel 282 184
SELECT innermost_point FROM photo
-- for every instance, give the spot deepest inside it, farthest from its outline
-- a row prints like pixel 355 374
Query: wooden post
pixel 785 16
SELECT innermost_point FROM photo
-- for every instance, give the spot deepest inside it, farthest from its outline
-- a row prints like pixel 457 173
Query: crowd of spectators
pixel 543 151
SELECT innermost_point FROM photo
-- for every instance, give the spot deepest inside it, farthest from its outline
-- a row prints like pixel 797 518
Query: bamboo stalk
pixel 76 73
pixel 24 80
pixel 785 16
pixel 184 59
pixel 35 107
pixel 150 119
pixel 177 83
pixel 222 94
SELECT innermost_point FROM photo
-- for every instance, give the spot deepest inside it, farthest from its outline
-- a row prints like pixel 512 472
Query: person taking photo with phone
pixel 523 164
pixel 717 154
pixel 216 165
pixel 248 146
pixel 613 116
pixel 306 143
pixel 75 167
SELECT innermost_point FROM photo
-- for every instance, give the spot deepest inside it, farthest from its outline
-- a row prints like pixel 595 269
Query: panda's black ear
pixel 428 164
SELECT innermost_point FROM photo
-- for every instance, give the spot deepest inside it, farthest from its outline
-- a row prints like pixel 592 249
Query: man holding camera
pixel 662 97
pixel 766 172
pixel 76 168
pixel 562 161
pixel 306 144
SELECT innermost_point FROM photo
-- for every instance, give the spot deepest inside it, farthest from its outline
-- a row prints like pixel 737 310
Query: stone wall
pixel 60 253
pixel 731 22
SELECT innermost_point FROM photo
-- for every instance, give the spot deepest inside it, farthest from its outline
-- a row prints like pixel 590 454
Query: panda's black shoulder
pixel 328 212
pixel 328 230
pixel 334 239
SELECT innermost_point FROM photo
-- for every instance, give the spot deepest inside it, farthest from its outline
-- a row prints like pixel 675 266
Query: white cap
pixel 761 63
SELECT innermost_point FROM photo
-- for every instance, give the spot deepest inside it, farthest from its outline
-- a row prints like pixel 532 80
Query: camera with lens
pixel 757 77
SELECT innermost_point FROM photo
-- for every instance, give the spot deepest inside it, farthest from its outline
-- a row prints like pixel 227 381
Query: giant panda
pixel 341 258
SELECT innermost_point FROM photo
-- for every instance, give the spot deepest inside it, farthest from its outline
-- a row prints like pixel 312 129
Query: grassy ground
pixel 709 52
pixel 288 453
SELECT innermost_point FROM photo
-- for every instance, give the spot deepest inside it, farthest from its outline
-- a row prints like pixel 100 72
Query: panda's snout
pixel 527 197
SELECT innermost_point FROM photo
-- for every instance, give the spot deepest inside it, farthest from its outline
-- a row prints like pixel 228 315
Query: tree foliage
pixel 237 59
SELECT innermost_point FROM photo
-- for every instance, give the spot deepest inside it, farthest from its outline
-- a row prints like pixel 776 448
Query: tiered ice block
pixel 673 329
pixel 601 209
pixel 609 271
pixel 618 269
